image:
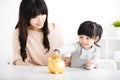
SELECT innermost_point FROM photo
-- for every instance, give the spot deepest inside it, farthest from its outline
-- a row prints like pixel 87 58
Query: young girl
pixel 34 39
pixel 86 52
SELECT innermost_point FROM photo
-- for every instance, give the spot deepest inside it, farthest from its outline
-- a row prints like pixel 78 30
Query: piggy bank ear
pixel 56 56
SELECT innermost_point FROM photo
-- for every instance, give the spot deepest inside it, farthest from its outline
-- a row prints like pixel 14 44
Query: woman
pixel 34 39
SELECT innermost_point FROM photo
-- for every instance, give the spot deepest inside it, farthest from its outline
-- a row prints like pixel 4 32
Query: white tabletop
pixel 41 73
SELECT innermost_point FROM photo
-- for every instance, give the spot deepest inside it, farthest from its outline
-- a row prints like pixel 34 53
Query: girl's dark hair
pixel 29 9
pixel 90 29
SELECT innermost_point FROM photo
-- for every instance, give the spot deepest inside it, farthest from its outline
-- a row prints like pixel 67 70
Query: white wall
pixel 8 19
pixel 68 14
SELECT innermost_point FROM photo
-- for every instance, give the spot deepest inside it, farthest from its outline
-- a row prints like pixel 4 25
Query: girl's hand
pixel 67 61
pixel 88 62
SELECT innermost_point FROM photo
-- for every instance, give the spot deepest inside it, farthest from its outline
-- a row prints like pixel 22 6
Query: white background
pixel 68 14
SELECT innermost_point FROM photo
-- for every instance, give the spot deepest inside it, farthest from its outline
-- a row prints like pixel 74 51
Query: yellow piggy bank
pixel 56 65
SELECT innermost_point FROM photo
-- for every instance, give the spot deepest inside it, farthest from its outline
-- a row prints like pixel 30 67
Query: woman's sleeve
pixel 56 37
pixel 17 59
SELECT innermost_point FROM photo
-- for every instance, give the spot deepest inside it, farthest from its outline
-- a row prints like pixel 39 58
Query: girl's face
pixel 38 22
pixel 85 41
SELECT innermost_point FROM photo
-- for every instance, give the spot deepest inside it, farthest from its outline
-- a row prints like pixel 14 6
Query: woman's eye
pixel 34 17
pixel 81 37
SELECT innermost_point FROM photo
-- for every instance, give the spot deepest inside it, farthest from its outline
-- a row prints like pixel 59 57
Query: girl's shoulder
pixel 75 44
pixel 96 48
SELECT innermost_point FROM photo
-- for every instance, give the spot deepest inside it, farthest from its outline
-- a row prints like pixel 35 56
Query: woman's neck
pixel 35 29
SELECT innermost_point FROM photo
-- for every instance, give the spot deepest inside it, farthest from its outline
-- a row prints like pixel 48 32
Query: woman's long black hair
pixel 91 29
pixel 29 9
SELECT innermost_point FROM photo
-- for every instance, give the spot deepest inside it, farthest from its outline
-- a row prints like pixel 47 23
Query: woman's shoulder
pixel 16 31
pixel 52 26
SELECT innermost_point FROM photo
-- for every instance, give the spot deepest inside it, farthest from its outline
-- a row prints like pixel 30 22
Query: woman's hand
pixel 55 54
pixel 65 58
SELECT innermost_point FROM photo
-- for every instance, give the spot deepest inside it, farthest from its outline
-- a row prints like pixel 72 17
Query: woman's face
pixel 85 41
pixel 38 22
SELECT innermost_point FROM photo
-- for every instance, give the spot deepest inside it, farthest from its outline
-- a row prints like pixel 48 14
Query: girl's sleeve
pixel 17 59
pixel 68 49
pixel 96 57
pixel 94 60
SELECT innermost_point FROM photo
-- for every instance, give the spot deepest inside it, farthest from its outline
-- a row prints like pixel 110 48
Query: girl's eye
pixel 88 38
